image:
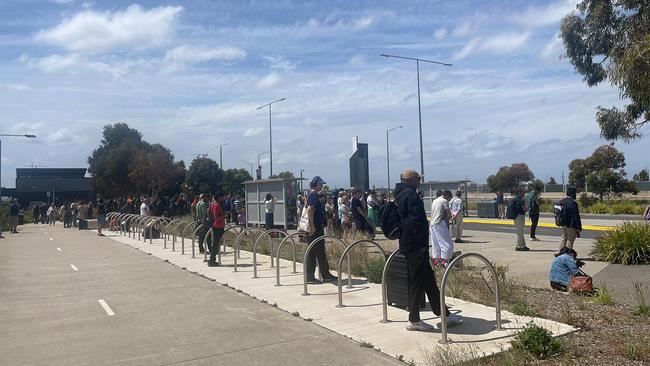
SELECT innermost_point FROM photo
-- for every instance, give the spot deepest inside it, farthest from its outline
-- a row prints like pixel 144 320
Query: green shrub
pixel 626 208
pixel 604 296
pixel 522 309
pixel 628 243
pixel 586 200
pixel 642 308
pixel 374 270
pixel 536 341
pixel 599 208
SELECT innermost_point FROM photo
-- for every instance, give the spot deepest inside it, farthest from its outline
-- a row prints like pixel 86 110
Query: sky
pixel 190 75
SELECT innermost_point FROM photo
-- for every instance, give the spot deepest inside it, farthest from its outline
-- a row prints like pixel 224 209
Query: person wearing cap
pixel 572 223
pixel 316 215
pixel 414 245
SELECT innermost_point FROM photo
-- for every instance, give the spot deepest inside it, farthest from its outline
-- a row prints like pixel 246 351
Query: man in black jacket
pixel 572 225
pixel 414 245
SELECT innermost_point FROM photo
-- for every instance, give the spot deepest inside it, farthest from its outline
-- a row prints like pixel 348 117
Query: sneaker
pixel 454 319
pixel 458 241
pixel 419 326
pixel 329 277
pixel 522 249
pixel 213 264
pixel 534 239
pixel 313 281
pixel 435 262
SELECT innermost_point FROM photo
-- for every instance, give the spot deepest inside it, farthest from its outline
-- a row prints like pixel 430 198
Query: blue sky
pixel 190 75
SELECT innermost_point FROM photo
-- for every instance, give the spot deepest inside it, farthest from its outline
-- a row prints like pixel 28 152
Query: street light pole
pixel 417 65
pixel 8 135
pixel 270 134
pixel 301 171
pixel 388 157
pixel 220 155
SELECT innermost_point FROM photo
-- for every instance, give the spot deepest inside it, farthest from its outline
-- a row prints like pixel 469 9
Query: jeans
pixel 421 279
pixel 534 219
pixel 214 246
pixel 317 253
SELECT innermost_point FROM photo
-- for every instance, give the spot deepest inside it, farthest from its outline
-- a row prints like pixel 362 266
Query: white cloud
pixel 268 81
pixel 183 55
pixel 467 50
pixel 462 29
pixel 14 87
pixel 499 44
pixel 553 49
pixel 363 23
pixel 72 62
pixel 133 28
pixel 63 2
pixel 254 131
pixel 357 60
pixel 280 63
pixel 535 17
pixel 440 33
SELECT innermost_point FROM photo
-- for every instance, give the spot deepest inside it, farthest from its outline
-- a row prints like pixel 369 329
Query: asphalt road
pixel 72 298
pixel 541 231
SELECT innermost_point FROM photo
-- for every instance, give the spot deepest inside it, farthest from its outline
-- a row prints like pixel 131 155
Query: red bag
pixel 581 284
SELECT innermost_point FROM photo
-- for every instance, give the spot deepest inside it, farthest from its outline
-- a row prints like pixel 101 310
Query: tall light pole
pixel 270 134
pixel 221 155
pixel 251 164
pixel 301 171
pixel 8 135
pixel 388 157
pixel 417 64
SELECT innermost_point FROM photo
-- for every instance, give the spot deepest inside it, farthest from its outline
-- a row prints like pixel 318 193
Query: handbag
pixel 303 224
pixel 581 284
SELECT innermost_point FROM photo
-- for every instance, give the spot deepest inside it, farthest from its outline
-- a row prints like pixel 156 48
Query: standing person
pixel 373 203
pixel 442 247
pixel 236 205
pixel 36 211
pixel 457 209
pixel 145 210
pixel 414 245
pixel 358 213
pixel 14 211
pixel 218 220
pixel 501 204
pixel 300 205
pixel 227 203
pixel 193 207
pixel 532 204
pixel 646 213
pixel 517 210
pixel 43 215
pixel 51 215
pixel 67 216
pixel 202 219
pixel 315 215
pixel 330 214
pixel 74 212
pixel 572 223
pixel 101 216
pixel 269 208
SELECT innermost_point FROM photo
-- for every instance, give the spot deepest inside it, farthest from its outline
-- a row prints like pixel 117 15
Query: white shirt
pixel 269 205
pixel 144 209
pixel 439 207
pixel 372 202
pixel 456 205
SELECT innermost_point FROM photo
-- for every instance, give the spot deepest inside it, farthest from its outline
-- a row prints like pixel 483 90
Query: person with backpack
pixel 569 217
pixel 646 213
pixel 532 204
pixel 516 211
pixel 413 229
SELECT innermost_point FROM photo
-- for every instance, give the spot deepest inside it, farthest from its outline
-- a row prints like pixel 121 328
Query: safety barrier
pixel 183 239
pixel 266 233
pixel 167 232
pixel 345 255
pixel 277 256
pixel 222 240
pixel 443 284
pixel 311 245
pixel 175 230
pixel 241 235
pixel 153 224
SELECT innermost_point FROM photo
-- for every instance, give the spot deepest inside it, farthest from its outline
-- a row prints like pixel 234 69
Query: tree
pixel 509 178
pixel 642 176
pixel 537 185
pixel 551 180
pixel 610 40
pixel 154 171
pixel 286 174
pixel 204 176
pixel 603 172
pixel 233 180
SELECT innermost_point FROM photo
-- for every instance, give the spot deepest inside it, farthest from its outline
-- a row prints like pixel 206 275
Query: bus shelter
pixel 284 190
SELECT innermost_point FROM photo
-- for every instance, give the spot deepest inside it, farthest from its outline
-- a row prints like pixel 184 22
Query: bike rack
pixel 166 230
pixel 159 219
pixel 443 284
pixel 222 240
pixel 267 234
pixel 130 224
pixel 121 217
pixel 183 239
pixel 206 247
pixel 343 256
pixel 277 256
pixel 236 253
pixel 149 222
pixel 311 245
pixel 174 229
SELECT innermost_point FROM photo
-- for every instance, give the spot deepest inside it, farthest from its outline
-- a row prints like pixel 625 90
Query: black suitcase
pixel 397 282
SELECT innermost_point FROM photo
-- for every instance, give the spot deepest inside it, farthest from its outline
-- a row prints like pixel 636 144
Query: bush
pixel 604 296
pixel 374 270
pixel 537 342
pixel 586 200
pixel 626 208
pixel 599 208
pixel 628 243
pixel 522 309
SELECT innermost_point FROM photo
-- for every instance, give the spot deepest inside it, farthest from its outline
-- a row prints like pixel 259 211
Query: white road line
pixel 74 267
pixel 107 308
pixel 59 249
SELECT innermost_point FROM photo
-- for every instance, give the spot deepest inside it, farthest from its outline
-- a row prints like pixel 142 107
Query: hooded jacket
pixel 415 227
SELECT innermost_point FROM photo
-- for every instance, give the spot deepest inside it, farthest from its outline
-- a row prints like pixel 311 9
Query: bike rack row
pixel 132 224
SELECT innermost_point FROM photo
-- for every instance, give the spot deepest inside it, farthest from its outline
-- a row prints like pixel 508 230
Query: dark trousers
pixel 317 253
pixel 235 217
pixel 534 218
pixel 268 221
pixel 214 246
pixel 421 279
pixel 201 233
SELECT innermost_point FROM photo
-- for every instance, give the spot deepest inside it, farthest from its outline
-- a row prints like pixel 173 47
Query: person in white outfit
pixel 457 208
pixel 442 247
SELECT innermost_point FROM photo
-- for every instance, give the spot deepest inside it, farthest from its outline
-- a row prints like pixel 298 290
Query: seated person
pixel 563 267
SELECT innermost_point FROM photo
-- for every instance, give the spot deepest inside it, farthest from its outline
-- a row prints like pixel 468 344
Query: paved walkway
pixel 52 280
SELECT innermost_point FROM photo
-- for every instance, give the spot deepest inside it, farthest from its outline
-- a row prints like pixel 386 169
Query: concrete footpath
pixel 60 288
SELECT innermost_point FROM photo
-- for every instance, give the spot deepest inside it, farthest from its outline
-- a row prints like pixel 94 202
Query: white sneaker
pixel 454 319
pixel 419 326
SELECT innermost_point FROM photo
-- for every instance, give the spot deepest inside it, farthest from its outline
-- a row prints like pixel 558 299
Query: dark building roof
pixel 50 172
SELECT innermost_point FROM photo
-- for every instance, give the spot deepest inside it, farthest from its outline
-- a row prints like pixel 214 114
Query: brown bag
pixel 581 284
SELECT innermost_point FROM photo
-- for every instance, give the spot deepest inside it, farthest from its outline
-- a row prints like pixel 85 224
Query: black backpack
pixel 559 212
pixel 510 210
pixel 390 221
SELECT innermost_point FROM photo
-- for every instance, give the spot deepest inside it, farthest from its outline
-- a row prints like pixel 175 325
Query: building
pixel 359 170
pixel 53 185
